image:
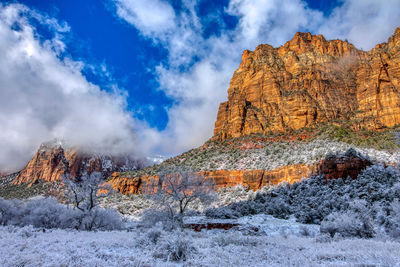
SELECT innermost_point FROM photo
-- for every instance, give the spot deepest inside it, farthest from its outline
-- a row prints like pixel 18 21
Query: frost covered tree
pixel 84 193
pixel 84 196
pixel 176 189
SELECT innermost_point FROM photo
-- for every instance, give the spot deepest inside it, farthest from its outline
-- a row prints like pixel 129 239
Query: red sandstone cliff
pixel 336 167
pixel 311 80
pixel 52 161
pixel 253 179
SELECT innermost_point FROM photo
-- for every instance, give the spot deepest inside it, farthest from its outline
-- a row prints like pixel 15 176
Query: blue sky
pixel 98 36
pixel 166 65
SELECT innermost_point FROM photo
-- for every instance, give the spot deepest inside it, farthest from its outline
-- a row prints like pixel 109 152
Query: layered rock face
pixel 341 166
pixel 310 80
pixel 52 161
pixel 253 179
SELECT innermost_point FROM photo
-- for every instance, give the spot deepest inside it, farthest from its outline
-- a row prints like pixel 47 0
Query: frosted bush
pixel 222 213
pixel 174 247
pixel 354 222
pixel 394 220
pixel 152 217
pixel 10 211
pixel 100 219
pixel 235 239
pixel 48 213
pixel 153 235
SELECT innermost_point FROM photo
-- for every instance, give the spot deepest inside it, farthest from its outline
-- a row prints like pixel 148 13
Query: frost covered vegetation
pixel 47 213
pixel 153 246
pixel 311 223
pixel 82 211
pixel 277 150
pixel 365 207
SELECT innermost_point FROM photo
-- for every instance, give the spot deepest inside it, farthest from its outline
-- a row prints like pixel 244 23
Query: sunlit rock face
pixel 52 161
pixel 253 179
pixel 340 166
pixel 310 80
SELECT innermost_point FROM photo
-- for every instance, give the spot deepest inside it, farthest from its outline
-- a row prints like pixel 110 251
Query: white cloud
pixel 198 86
pixel 44 97
pixel 152 17
pixel 272 21
pixel 364 23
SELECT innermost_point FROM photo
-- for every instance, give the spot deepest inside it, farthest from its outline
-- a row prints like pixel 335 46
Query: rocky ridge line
pixel 310 80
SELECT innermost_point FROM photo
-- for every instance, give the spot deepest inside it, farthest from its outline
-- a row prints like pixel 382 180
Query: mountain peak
pixel 308 81
pixel 53 160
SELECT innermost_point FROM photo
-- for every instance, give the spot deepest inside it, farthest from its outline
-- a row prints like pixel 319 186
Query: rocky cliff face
pixel 253 179
pixel 52 161
pixel 341 166
pixel 311 80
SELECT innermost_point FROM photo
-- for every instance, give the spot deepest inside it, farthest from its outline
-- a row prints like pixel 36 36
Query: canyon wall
pixel 310 80
pixel 52 161
pixel 332 168
pixel 253 179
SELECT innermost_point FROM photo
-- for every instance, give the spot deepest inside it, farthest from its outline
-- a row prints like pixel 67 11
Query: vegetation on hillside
pixel 305 146
pixel 360 208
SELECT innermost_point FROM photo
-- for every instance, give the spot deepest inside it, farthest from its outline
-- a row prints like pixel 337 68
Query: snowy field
pixel 276 243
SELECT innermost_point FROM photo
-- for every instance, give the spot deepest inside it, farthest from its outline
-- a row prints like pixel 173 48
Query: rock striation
pixel 52 161
pixel 340 166
pixel 310 80
pixel 253 179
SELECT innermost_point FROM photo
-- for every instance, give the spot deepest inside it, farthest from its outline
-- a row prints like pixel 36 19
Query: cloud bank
pixel 43 95
pixel 199 68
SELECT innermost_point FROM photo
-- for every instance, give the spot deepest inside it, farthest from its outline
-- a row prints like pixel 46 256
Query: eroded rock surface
pixel 343 166
pixel 52 161
pixel 311 80
pixel 253 179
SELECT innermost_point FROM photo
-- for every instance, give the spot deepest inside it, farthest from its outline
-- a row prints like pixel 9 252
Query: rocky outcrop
pixel 253 179
pixel 52 161
pixel 127 185
pixel 350 164
pixel 310 80
pixel 256 179
pixel 343 166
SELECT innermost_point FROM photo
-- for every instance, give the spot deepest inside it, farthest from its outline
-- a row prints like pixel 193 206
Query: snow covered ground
pixel 277 243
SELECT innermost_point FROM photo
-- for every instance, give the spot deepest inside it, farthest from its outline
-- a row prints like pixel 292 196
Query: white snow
pixel 279 243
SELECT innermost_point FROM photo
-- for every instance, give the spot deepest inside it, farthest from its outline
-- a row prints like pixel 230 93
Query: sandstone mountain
pixel 261 135
pixel 310 80
pixel 307 83
pixel 52 161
